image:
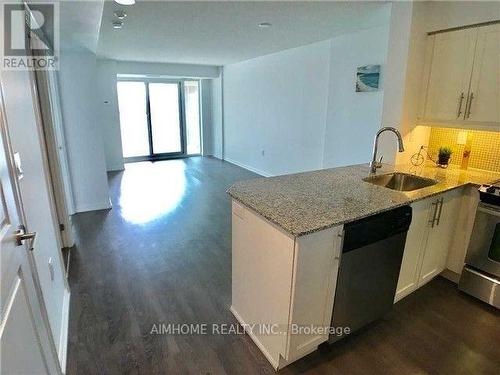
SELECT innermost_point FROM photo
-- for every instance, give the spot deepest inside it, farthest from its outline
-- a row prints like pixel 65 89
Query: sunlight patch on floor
pixel 149 191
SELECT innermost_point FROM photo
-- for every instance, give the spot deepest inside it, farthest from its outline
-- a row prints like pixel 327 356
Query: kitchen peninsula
pixel 288 237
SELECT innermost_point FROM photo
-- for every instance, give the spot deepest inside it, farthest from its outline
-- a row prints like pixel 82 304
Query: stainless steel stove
pixel 481 275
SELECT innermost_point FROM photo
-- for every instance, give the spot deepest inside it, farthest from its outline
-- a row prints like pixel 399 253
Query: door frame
pixel 47 95
pixel 48 176
pixel 182 117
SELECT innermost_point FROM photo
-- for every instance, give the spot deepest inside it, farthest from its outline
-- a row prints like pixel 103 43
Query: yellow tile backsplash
pixel 485 147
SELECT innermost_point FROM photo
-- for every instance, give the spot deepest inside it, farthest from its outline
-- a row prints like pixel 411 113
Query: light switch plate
pixel 17 162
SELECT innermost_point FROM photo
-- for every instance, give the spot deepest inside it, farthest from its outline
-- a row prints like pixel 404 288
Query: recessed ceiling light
pixel 264 24
pixel 120 14
pixel 117 24
pixel 125 2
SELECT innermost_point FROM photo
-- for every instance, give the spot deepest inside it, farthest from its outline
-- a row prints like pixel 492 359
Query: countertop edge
pixel 336 223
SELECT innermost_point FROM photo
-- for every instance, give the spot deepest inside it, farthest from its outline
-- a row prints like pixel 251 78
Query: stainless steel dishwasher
pixel 369 269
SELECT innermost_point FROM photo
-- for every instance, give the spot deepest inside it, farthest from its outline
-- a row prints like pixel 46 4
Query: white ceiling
pixel 219 33
pixel 80 21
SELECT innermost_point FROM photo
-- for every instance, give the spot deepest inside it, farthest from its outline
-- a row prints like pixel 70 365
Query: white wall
pixel 300 106
pixel 353 118
pixel 275 110
pixel 109 115
pixel 84 137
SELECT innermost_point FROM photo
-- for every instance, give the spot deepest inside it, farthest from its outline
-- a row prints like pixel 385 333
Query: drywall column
pixel 206 117
pixel 395 76
pixel 78 86
pixel 109 115
pixel 217 126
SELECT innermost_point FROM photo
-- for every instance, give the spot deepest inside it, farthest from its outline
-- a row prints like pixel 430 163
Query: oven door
pixel 484 246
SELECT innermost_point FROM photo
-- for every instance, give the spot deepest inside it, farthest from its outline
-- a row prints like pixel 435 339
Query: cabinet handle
pixel 460 101
pixel 440 202
pixel 433 220
pixel 467 108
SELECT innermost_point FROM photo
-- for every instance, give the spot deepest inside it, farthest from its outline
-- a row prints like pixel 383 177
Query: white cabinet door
pixel 484 96
pixel 314 279
pixel 429 241
pixel 282 287
pixel 449 79
pixel 440 235
pixel 414 248
pixel 262 266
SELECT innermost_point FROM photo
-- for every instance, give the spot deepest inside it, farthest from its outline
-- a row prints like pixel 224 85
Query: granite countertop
pixel 308 202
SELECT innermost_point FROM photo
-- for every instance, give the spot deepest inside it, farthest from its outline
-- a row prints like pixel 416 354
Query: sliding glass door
pixel 159 119
pixel 192 100
pixel 165 115
pixel 133 119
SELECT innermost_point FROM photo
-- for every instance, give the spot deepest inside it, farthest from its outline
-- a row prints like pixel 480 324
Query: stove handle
pixel 488 210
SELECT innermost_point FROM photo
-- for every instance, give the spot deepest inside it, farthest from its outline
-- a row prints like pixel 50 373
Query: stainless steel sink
pixel 400 181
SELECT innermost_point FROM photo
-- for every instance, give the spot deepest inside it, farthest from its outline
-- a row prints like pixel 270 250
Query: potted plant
pixel 444 156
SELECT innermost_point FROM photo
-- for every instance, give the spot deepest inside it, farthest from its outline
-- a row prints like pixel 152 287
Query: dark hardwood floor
pixel 163 255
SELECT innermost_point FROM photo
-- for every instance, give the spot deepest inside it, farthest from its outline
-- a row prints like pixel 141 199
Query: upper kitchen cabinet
pixel 484 94
pixel 449 75
pixel 463 79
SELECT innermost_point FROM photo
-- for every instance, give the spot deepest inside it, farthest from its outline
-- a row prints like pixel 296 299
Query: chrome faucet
pixel 374 165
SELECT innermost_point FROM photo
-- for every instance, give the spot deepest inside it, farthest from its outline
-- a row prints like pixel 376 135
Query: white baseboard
pixel 450 275
pixel 251 169
pixel 93 207
pixel 68 234
pixel 116 169
pixel 63 337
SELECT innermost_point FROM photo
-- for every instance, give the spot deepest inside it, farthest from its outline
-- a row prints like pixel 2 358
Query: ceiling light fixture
pixel 117 24
pixel 264 24
pixel 120 14
pixel 125 2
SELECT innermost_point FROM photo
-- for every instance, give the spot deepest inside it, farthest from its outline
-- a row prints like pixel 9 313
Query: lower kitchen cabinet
pixel 415 242
pixel 282 287
pixel 429 240
pixel 441 234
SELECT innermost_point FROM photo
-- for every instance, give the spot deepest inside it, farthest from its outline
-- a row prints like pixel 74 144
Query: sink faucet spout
pixel 374 165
